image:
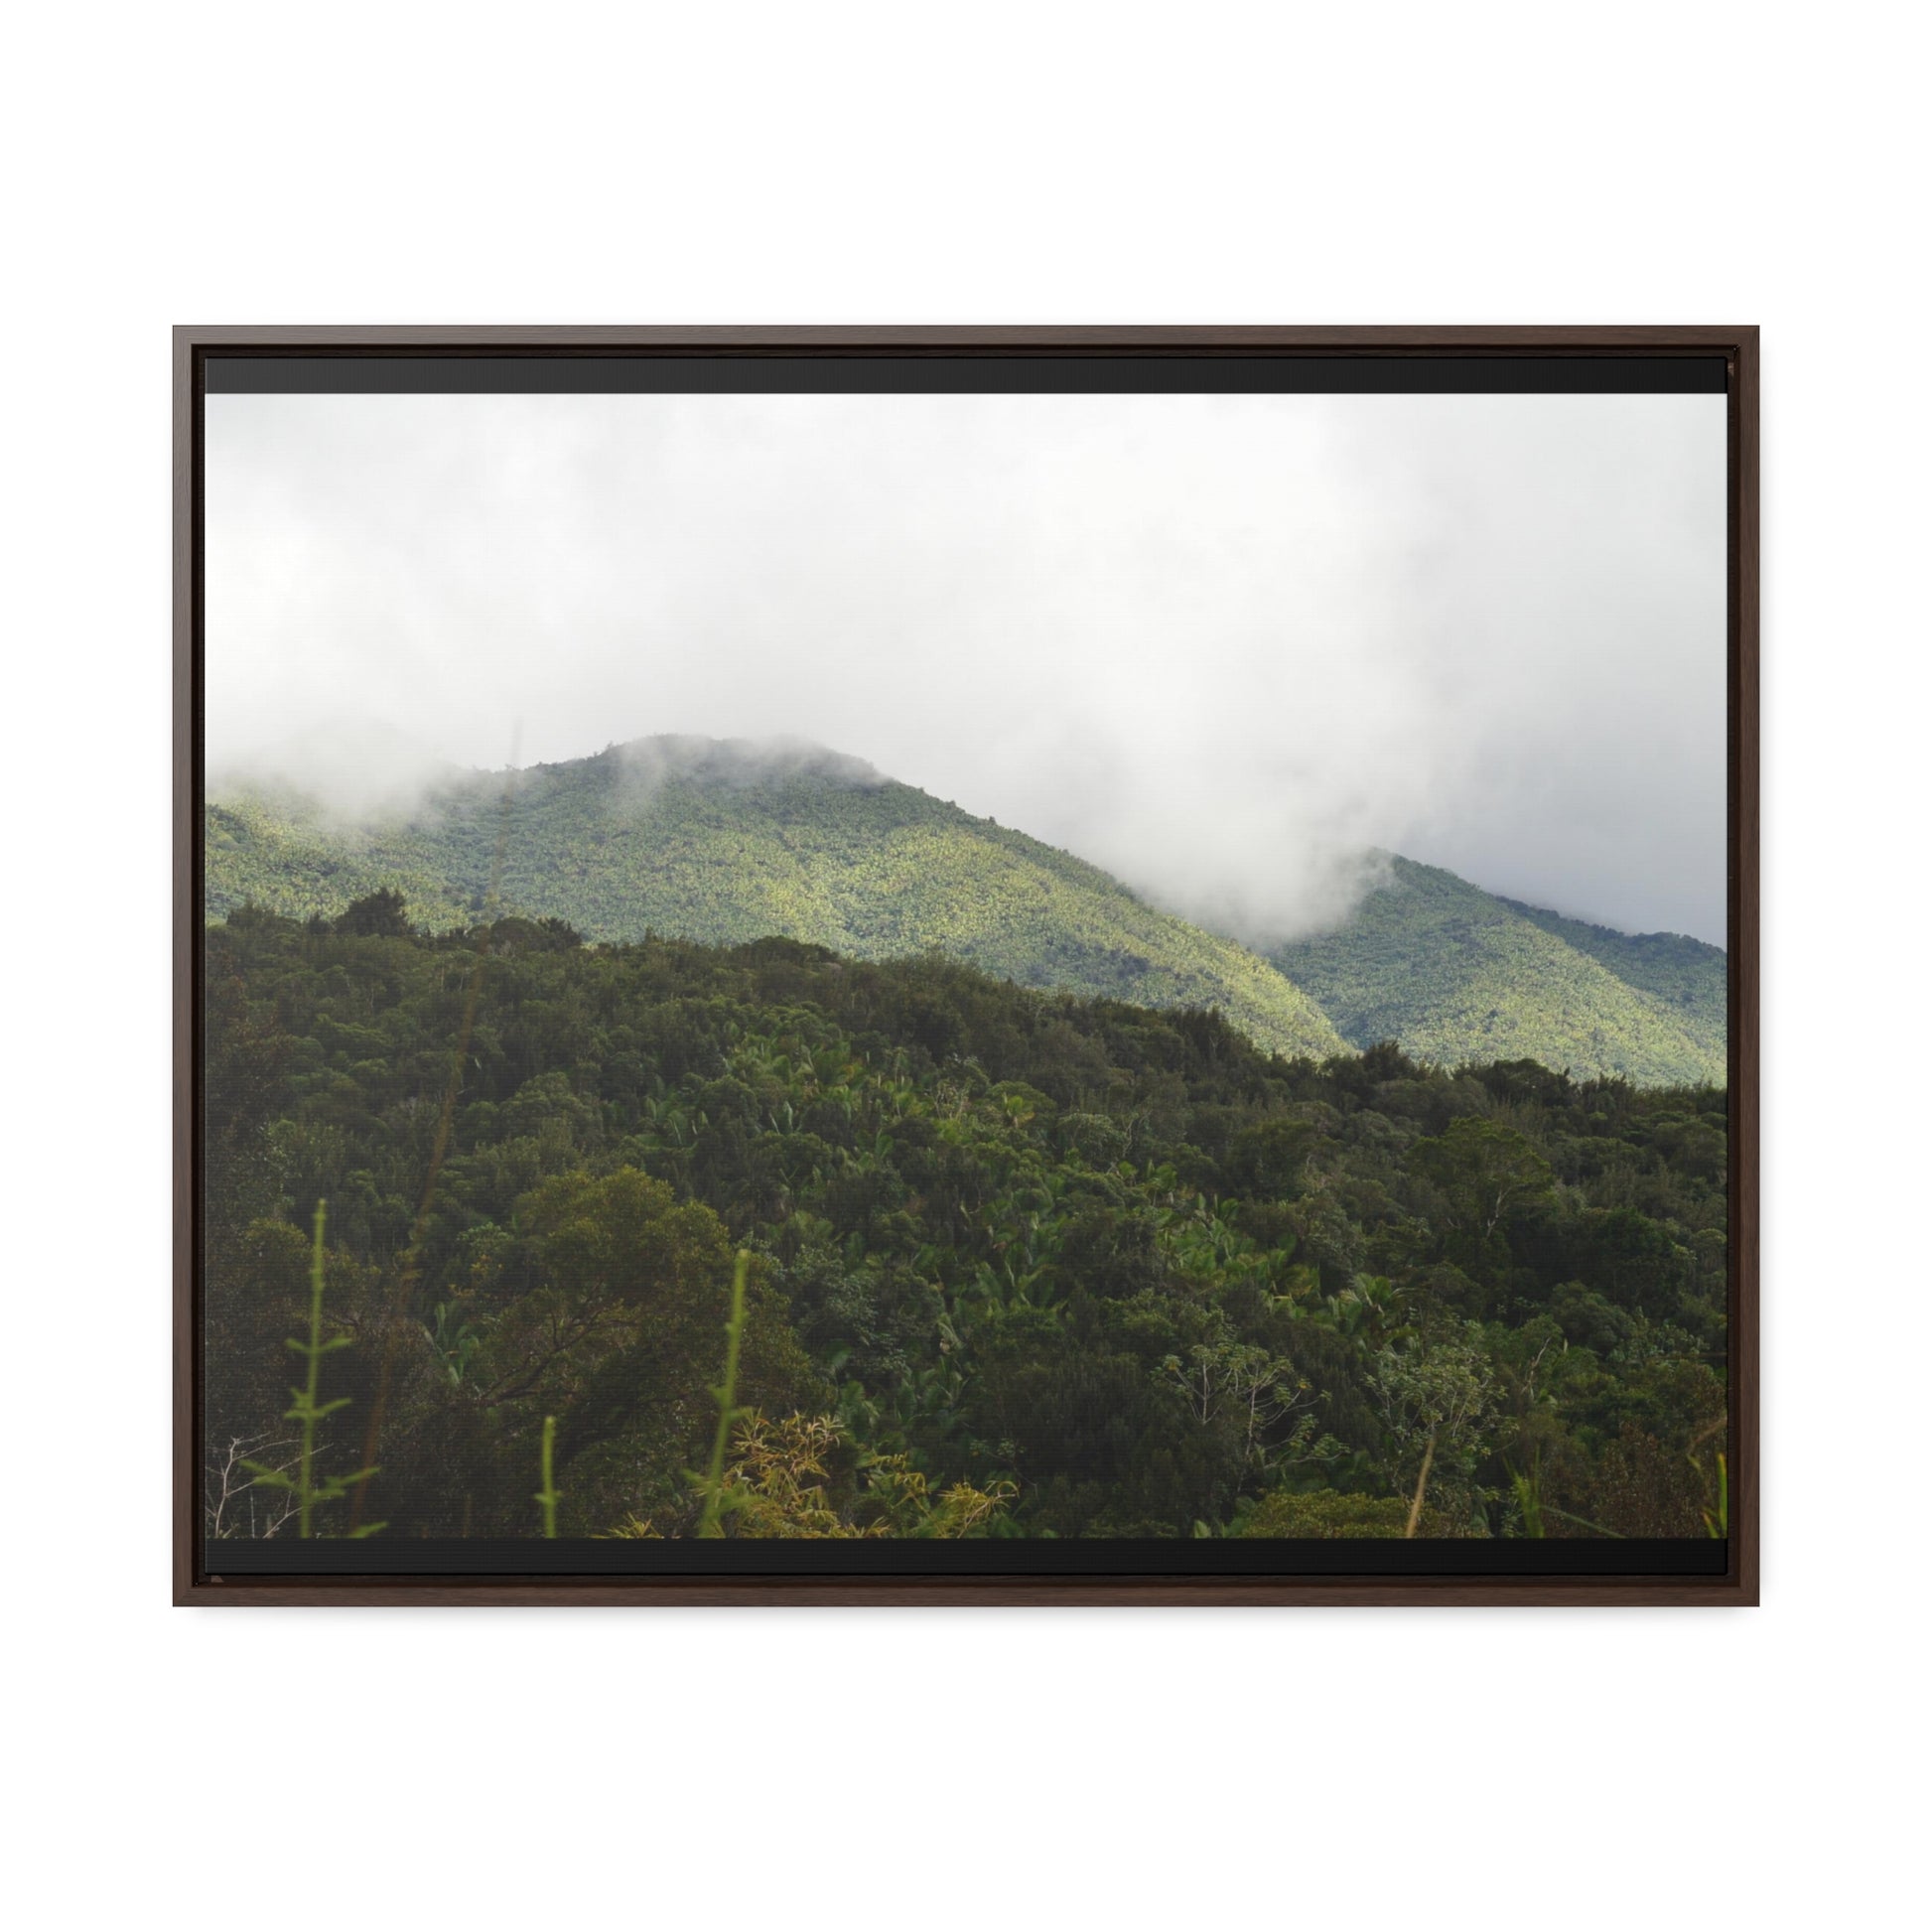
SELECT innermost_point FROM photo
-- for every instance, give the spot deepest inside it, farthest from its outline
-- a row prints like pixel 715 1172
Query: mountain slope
pixel 1457 975
pixel 1691 978
pixel 725 842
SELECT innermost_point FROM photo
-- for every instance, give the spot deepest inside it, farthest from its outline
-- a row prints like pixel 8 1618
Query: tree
pixel 379 916
pixel 1436 1398
pixel 1245 1387
pixel 620 1336
pixel 1482 1170
pixel 1266 1161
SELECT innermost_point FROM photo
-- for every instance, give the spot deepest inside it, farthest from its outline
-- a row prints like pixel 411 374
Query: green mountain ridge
pixel 1689 975
pixel 724 843
pixel 1456 974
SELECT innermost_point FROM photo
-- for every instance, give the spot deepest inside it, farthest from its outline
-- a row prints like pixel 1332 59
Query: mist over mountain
pixel 728 840
pixel 734 765
pixel 1220 645
pixel 352 768
pixel 725 841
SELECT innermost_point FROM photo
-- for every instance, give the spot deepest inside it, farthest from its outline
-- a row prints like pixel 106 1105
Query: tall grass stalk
pixel 1716 1512
pixel 727 1410
pixel 1717 1522
pixel 549 1496
pixel 309 1410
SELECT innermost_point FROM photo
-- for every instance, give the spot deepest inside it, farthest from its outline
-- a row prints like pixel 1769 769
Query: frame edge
pixel 192 1586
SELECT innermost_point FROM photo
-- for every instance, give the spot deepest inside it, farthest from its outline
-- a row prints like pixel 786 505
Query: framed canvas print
pixel 966 965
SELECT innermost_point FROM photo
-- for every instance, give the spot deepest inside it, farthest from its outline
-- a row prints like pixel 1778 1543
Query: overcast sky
pixel 1215 644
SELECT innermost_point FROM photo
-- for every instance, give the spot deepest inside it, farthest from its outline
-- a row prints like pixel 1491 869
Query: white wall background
pixel 1035 162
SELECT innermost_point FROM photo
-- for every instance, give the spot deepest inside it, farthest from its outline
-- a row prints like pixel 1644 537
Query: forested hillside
pixel 1688 976
pixel 1456 974
pixel 725 843
pixel 1022 1263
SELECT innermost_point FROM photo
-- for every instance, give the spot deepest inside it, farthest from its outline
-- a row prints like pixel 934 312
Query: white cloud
pixel 1216 645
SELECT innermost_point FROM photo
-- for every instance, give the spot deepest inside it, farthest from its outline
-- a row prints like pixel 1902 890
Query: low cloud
pixel 353 768
pixel 1223 646
pixel 646 765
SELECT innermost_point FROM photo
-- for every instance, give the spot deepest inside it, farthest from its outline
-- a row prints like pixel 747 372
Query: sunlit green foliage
pixel 693 843
pixel 802 1476
pixel 702 840
pixel 1688 976
pixel 1457 975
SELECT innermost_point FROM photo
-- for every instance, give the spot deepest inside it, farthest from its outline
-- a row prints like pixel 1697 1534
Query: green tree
pixel 1436 1400
pixel 1482 1170
pixel 380 915
pixel 617 1337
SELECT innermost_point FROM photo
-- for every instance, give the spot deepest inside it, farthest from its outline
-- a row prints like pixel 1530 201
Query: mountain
pixel 1457 975
pixel 723 841
pixel 1688 975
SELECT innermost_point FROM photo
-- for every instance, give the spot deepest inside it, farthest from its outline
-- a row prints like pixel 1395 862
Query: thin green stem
pixel 1717 1522
pixel 305 1491
pixel 727 1394
pixel 549 1496
pixel 309 1408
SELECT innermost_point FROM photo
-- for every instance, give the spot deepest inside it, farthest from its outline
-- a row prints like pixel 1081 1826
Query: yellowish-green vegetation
pixel 1457 975
pixel 725 843
pixel 692 840
pixel 1685 975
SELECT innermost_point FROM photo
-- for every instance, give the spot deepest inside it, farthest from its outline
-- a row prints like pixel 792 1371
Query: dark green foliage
pixel 1116 1257
pixel 1457 975
pixel 379 916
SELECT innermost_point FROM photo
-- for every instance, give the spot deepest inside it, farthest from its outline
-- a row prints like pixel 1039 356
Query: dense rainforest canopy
pixel 1022 1263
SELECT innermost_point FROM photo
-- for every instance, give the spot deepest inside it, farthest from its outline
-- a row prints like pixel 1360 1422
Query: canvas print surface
pixel 911 969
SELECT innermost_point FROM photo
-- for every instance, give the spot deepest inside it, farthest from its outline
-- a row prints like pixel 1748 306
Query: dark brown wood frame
pixel 1738 1586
